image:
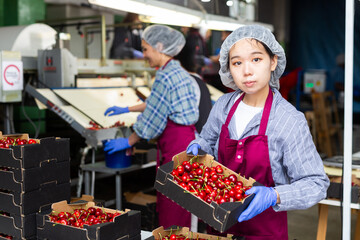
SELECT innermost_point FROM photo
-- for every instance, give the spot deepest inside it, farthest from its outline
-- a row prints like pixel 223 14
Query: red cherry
pixel 238 196
pixel 214 177
pixel 220 185
pixel 180 170
pixel 239 183
pixel 187 167
pixel 63 221
pixel 202 195
pixel 195 165
pixel 232 178
pixel 174 172
pixel 91 210
pixel 232 193
pixel 221 200
pixel 199 171
pixel 219 169
pixel 62 215
pixel 98 212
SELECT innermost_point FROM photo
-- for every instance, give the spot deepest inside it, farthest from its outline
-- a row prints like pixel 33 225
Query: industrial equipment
pixel 11 77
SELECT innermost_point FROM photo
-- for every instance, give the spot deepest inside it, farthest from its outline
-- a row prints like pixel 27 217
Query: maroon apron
pixel 250 157
pixel 172 141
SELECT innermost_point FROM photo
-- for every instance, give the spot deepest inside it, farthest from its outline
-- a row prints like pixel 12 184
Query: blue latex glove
pixel 116 145
pixel 207 61
pixel 193 149
pixel 116 110
pixel 138 54
pixel 265 197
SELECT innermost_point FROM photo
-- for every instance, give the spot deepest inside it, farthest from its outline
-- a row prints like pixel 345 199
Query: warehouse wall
pixel 21 12
pixel 318 35
pixel 1 12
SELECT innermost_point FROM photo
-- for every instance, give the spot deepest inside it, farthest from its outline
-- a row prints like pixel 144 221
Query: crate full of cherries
pixel 85 220
pixel 206 188
pixel 183 233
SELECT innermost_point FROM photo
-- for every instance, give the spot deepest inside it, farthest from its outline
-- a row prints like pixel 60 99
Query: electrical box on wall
pixel 314 80
pixel 12 83
pixel 57 68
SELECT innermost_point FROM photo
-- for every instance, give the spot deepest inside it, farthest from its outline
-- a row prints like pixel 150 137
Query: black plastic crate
pixel 146 204
pixel 23 226
pixel 32 155
pixel 26 180
pixel 221 217
pixel 126 226
pixel 31 202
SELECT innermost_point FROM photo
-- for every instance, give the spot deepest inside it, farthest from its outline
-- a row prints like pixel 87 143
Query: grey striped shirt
pixel 297 168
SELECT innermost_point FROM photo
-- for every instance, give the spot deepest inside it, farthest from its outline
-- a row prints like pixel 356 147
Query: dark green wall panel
pixel 22 12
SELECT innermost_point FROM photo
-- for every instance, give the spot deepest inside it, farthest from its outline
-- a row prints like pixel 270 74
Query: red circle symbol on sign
pixel 6 69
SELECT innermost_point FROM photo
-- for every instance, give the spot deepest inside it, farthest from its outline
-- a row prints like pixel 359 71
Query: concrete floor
pixel 302 224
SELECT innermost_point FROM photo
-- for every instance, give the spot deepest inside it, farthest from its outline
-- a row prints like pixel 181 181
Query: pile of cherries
pixel 179 237
pixel 7 142
pixel 95 126
pixel 209 183
pixel 81 217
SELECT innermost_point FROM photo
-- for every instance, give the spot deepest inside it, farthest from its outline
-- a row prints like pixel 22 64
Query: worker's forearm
pixel 138 108
pixel 134 138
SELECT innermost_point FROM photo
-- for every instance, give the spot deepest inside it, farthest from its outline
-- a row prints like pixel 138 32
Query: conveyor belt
pixel 80 106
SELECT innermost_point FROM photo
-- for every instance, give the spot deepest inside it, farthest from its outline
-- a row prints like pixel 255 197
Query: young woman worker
pixel 257 133
pixel 169 113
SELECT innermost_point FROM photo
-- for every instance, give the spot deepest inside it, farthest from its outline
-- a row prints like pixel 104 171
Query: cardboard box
pixel 125 226
pixel 84 198
pixel 31 202
pixel 146 204
pixel 221 217
pixel 160 232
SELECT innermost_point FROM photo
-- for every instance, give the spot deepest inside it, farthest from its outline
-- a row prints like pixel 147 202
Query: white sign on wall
pixel 12 75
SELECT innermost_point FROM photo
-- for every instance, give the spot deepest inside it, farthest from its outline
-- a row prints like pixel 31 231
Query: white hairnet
pixel 261 34
pixel 164 39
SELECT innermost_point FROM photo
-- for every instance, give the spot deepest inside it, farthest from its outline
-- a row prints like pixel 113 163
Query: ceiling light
pixel 229 3
pixel 205 0
pixel 221 23
pixel 154 11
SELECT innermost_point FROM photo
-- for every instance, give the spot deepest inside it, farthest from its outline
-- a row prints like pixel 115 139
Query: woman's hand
pixel 193 149
pixel 265 197
pixel 116 111
pixel 115 145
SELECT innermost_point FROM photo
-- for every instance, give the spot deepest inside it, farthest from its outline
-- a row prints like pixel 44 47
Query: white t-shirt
pixel 243 115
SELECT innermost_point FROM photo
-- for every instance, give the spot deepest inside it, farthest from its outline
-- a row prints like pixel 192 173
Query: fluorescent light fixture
pixel 205 0
pixel 221 23
pixel 175 20
pixel 229 3
pixel 64 36
pixel 154 11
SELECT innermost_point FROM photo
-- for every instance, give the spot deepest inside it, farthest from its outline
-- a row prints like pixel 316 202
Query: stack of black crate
pixel 32 177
